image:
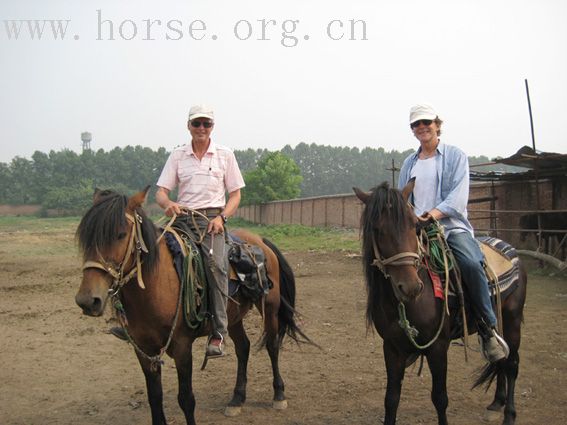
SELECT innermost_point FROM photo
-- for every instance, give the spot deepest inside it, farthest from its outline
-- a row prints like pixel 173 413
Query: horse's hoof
pixel 492 415
pixel 231 411
pixel 279 404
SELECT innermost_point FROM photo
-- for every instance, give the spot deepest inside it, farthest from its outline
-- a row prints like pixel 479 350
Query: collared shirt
pixel 201 183
pixel 452 189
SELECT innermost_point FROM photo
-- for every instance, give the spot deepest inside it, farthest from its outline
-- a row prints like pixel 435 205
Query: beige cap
pixel 201 111
pixel 422 111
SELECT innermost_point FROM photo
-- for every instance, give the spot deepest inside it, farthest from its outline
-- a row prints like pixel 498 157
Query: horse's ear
pixel 360 194
pixel 408 189
pixel 96 195
pixel 138 199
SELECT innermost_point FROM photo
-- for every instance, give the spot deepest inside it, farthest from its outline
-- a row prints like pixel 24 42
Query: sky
pixel 280 73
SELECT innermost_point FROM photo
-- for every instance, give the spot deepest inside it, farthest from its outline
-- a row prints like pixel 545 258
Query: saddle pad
pixel 502 259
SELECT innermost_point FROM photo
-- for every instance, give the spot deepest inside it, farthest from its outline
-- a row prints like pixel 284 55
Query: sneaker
pixel 495 348
pixel 119 332
pixel 215 347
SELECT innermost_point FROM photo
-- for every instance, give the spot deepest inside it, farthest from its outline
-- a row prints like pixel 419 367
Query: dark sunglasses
pixel 416 124
pixel 197 124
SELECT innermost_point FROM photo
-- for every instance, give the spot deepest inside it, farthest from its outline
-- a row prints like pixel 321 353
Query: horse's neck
pixel 161 293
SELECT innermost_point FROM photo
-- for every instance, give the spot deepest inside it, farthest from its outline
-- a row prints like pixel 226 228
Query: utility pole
pixel 394 169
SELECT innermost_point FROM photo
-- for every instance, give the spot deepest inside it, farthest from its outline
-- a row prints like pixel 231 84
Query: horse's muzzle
pixel 90 304
pixel 409 291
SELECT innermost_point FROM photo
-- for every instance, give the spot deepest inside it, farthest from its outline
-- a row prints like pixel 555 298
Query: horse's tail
pixel 287 314
pixel 487 374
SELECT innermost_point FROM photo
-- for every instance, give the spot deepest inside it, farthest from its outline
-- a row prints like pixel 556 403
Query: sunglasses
pixel 197 124
pixel 416 124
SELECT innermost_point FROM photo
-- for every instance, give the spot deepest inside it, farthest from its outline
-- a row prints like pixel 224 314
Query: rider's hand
pixel 172 208
pixel 216 225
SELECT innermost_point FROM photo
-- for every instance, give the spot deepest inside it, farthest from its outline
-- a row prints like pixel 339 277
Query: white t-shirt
pixel 424 191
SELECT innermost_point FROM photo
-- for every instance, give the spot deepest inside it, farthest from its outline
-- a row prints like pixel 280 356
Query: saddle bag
pixel 249 263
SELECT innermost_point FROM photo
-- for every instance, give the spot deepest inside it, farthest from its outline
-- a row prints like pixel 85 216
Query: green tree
pixel 277 177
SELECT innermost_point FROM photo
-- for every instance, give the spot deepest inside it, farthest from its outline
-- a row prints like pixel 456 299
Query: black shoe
pixel 119 332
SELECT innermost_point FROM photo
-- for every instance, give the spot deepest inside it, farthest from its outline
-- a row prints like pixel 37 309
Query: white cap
pixel 422 111
pixel 201 111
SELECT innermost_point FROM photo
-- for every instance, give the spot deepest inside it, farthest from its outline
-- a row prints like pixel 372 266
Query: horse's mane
pixel 101 224
pixel 383 203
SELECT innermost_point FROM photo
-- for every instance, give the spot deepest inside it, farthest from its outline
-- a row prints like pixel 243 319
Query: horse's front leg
pixel 395 368
pixel 242 347
pixel 437 361
pixel 154 389
pixel 183 357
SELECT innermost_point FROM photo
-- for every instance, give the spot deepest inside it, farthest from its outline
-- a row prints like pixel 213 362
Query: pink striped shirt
pixel 201 184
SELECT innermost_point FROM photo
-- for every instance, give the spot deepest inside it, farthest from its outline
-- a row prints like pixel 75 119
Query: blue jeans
pixel 470 260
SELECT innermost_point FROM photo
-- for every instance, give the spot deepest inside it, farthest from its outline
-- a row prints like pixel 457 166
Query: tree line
pixel 65 180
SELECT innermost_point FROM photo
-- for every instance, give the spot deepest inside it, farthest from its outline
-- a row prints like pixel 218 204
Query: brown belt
pixel 209 212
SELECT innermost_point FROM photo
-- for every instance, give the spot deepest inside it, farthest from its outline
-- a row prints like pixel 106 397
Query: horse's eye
pixel 121 236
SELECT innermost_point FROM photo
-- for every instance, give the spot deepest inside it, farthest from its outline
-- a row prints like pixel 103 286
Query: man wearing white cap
pixel 203 172
pixel 441 191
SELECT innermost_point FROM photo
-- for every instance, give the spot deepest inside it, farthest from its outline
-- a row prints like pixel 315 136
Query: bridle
pixel 120 277
pixel 136 246
pixel 406 258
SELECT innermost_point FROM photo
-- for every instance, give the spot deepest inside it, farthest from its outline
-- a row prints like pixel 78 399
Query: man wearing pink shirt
pixel 203 172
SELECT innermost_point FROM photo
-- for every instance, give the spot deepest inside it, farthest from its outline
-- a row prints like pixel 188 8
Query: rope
pixel 194 282
pixel 412 332
pixel 438 248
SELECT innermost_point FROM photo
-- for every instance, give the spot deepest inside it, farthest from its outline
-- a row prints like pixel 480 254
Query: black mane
pixel 102 223
pixel 385 206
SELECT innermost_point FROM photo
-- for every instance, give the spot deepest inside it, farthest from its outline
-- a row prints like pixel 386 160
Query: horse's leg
pixel 185 397
pixel 395 367
pixel 512 333
pixel 271 327
pixel 242 347
pixel 437 360
pixel 499 395
pixel 154 389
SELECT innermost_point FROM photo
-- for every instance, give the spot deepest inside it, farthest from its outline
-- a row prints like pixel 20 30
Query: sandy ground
pixel 60 367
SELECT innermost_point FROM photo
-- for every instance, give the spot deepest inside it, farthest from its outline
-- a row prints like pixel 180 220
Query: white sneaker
pixel 495 348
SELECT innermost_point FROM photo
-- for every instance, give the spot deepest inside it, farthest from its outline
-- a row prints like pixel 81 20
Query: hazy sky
pixel 275 81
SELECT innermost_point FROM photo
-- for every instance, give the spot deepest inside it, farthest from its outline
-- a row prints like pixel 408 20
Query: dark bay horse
pixel 110 236
pixel 400 282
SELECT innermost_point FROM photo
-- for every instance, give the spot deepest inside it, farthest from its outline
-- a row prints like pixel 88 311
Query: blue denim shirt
pixel 452 191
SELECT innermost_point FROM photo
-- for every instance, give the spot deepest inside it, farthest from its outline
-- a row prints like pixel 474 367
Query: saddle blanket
pixel 503 260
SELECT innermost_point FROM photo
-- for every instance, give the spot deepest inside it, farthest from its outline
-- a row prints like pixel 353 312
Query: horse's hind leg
pixel 185 396
pixel 155 391
pixel 273 346
pixel 500 394
pixel 242 347
pixel 512 333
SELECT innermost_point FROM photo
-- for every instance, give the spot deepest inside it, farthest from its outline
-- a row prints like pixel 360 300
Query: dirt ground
pixel 60 367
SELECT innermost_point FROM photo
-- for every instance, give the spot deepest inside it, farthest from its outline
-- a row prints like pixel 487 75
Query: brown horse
pixel 120 245
pixel 400 290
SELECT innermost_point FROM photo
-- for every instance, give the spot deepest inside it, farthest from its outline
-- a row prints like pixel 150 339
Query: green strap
pixel 438 248
pixel 195 288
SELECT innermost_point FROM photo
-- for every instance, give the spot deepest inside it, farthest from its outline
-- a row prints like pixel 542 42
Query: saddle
pixel 247 271
pixel 501 266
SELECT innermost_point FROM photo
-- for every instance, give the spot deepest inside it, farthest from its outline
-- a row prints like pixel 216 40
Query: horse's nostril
pixel 97 304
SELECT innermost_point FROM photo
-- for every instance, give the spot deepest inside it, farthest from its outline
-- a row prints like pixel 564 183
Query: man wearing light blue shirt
pixel 441 191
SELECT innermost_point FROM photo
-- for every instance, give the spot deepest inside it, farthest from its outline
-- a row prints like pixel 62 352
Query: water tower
pixel 86 138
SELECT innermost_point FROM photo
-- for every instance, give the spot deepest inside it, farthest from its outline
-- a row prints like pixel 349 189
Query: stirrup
pixel 208 354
